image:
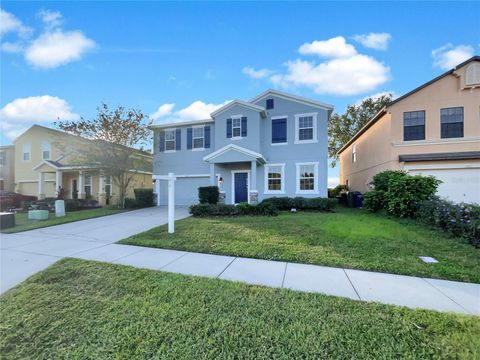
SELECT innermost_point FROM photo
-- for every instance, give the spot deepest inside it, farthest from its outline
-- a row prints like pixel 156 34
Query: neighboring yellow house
pixel 432 130
pixel 45 160
pixel 7 168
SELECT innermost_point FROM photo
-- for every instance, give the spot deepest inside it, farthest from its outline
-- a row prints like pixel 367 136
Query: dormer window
pixel 472 74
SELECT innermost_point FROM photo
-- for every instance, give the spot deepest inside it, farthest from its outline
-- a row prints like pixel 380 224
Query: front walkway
pixel 23 254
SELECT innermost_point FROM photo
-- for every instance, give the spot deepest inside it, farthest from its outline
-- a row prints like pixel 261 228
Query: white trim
pixel 155 177
pixel 174 130
pixel 440 166
pixel 237 117
pixel 229 147
pixel 179 124
pixel 315 180
pixel 282 180
pixel 271 128
pixel 233 184
pixel 298 99
pixel 34 181
pixel 240 103
pixel 314 128
pixel 45 162
pixel 193 138
pixel 445 141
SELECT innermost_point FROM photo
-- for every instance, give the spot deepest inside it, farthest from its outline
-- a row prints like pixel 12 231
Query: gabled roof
pixel 377 116
pixel 179 123
pixel 296 98
pixel 232 147
pixel 239 103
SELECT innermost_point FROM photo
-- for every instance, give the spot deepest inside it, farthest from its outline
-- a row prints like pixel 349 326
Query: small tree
pixel 117 138
pixel 341 128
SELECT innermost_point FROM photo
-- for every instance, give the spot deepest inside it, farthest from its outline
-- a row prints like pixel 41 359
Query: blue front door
pixel 241 187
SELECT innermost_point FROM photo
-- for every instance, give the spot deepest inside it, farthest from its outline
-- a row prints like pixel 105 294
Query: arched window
pixel 472 75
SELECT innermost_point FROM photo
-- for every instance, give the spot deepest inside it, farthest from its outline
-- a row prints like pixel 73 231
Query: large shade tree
pixel 116 147
pixel 342 127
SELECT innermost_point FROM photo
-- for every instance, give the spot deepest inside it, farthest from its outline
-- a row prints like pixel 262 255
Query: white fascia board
pixel 179 123
pixel 296 98
pixel 236 148
pixel 240 103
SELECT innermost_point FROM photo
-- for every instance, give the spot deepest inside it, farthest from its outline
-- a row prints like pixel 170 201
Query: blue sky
pixel 61 59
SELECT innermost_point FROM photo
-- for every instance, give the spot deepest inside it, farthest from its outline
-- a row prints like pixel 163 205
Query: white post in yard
pixel 157 190
pixel 171 203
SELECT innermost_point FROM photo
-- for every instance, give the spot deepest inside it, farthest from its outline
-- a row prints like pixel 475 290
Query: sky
pixel 180 61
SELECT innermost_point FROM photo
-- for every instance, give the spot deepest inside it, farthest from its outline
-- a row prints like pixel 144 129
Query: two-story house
pixel 432 130
pixel 273 145
pixel 7 168
pixel 45 159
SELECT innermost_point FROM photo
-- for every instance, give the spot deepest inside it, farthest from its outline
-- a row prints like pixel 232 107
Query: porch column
pixel 102 196
pixel 157 190
pixel 41 185
pixel 212 174
pixel 58 179
pixel 81 187
pixel 253 183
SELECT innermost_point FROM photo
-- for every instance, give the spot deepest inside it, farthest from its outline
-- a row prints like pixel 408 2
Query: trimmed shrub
pixel 71 205
pixel 131 203
pixel 206 210
pixel 333 193
pixel 208 194
pixel 144 197
pixel 301 203
pixel 405 192
pixel 382 179
pixel 459 220
pixel 374 200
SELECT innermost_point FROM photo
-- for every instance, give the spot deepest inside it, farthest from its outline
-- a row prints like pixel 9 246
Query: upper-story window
pixel 451 120
pixel 170 140
pixel 279 130
pixel 269 104
pixel 472 74
pixel 306 128
pixel 414 125
pixel 3 158
pixel 237 127
pixel 46 150
pixel 26 152
pixel 354 153
pixel 198 137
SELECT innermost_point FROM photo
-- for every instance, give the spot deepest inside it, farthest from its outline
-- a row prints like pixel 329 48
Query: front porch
pixel 77 182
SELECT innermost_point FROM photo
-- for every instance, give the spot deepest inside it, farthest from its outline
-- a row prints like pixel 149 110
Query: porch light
pixel 220 181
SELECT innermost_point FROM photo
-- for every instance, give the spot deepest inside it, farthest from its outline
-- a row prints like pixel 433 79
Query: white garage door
pixel 186 190
pixel 459 185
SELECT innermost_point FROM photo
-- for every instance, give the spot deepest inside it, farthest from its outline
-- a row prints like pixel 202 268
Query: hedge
pixel 206 210
pixel 302 203
pixel 208 194
pixel 459 220
pixel 143 197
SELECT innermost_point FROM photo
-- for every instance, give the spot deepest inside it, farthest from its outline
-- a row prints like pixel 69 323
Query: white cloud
pixel 342 76
pixel 377 41
pixel 57 48
pixel 333 181
pixel 23 112
pixel 51 19
pixel 256 74
pixel 448 56
pixel 162 111
pixel 11 47
pixel 332 48
pixel 10 23
pixel 198 110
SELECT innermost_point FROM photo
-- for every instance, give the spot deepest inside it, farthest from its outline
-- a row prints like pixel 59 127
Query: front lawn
pixel 347 238
pixel 89 310
pixel 23 224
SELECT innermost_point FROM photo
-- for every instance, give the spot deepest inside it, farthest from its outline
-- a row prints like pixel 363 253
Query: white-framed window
pixel 307 178
pixel 3 158
pixel 170 140
pixel 107 183
pixel 306 128
pixel 198 137
pixel 87 186
pixel 354 153
pixel 46 150
pixel 237 126
pixel 274 179
pixel 472 74
pixel 26 152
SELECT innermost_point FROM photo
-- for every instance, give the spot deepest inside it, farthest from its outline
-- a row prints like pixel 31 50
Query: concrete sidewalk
pixel 26 253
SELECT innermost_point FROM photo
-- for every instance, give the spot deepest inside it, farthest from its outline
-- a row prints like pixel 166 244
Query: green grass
pixel 23 224
pixel 87 310
pixel 347 238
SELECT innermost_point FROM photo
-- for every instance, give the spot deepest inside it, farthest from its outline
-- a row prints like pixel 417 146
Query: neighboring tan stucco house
pixel 45 159
pixel 273 145
pixel 7 168
pixel 432 130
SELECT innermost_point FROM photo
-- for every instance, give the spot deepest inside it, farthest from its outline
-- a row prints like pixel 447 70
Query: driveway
pixel 23 254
